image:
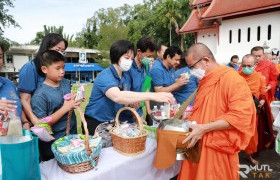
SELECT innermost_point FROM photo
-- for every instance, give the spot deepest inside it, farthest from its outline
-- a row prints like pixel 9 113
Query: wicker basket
pixel 84 160
pixel 129 146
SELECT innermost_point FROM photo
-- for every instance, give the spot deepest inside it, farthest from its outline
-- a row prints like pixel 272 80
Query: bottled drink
pixel 155 111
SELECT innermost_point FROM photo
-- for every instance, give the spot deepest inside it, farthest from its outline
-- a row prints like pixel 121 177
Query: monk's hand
pixel 196 134
pixel 268 88
pixel 261 103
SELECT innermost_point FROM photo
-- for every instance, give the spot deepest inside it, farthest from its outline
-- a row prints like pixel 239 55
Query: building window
pixel 259 33
pixel 230 36
pixel 269 32
pixel 239 35
pixel 248 34
pixel 9 58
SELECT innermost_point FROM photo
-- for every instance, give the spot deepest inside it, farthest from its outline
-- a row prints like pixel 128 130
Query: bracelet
pixel 24 122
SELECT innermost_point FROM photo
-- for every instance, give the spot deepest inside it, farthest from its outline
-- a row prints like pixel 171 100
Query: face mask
pixel 247 70
pixel 146 61
pixel 125 64
pixel 199 73
pixel 275 61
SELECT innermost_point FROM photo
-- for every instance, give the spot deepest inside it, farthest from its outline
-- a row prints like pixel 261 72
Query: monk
pixel 256 83
pixel 268 70
pixel 225 114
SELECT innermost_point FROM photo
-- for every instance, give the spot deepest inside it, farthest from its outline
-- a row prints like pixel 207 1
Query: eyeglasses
pixel 192 66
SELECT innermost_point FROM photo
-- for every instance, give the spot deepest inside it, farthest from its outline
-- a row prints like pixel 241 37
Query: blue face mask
pixel 248 70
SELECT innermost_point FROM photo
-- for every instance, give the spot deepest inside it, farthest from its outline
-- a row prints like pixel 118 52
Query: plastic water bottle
pixel 155 111
pixel 162 110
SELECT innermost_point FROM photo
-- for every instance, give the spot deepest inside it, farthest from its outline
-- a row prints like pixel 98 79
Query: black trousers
pixel 45 150
pixel 91 125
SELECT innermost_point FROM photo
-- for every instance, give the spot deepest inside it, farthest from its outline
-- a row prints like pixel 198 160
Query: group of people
pixel 230 106
pixel 260 71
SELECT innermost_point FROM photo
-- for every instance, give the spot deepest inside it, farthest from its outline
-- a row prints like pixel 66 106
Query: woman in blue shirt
pixel 108 94
pixel 9 98
pixel 31 76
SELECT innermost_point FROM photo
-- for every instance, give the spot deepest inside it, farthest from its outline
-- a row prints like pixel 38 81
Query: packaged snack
pixel 42 133
pixel 80 93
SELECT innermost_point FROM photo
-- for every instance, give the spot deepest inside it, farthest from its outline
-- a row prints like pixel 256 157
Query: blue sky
pixel 32 15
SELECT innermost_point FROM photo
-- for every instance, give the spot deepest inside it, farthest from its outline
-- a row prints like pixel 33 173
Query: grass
pixel 88 89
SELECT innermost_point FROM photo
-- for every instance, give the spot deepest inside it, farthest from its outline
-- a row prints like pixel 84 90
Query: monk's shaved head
pixel 199 50
pixel 249 59
pixel 268 56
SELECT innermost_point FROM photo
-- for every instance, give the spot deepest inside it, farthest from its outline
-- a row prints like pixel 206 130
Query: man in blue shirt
pixel 233 62
pixel 135 77
pixel 160 52
pixel 163 76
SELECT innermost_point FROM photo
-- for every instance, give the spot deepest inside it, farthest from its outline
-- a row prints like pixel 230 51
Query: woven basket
pixel 82 161
pixel 129 146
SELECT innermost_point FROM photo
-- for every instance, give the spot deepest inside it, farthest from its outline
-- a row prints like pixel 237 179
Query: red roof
pixel 194 23
pixel 200 2
pixel 226 8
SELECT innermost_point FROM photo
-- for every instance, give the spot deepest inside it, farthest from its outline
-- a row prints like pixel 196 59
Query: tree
pixel 5 19
pixel 47 29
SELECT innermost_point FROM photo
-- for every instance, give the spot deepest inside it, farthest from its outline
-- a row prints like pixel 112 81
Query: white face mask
pixel 199 73
pixel 125 64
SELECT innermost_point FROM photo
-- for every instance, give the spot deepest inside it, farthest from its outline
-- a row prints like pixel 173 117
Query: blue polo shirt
pixel 182 94
pixel 8 90
pixel 135 78
pixel 46 100
pixel 29 79
pixel 234 67
pixel 161 76
pixel 100 107
pixel 157 63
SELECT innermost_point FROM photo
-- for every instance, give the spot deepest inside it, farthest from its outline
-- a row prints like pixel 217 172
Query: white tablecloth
pixel 115 166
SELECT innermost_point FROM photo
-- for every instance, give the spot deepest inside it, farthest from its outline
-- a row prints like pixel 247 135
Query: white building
pixel 230 27
pixel 17 56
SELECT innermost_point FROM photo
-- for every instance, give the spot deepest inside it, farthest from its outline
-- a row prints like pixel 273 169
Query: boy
pixel 48 100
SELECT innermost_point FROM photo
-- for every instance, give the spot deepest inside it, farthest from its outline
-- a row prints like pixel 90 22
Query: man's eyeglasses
pixel 192 66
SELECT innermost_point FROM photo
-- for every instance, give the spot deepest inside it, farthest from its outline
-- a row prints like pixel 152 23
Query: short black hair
pixel 49 41
pixel 234 57
pixel 172 51
pixel 257 48
pixel 146 43
pixel 120 48
pixel 51 56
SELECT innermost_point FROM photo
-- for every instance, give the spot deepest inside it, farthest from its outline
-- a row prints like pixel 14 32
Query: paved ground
pixel 268 159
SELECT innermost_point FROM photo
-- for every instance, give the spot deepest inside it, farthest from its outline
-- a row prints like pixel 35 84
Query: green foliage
pixel 5 19
pixel 47 29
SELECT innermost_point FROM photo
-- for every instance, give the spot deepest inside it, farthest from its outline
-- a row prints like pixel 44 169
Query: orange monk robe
pixel 222 94
pixel 277 68
pixel 256 83
pixel 270 73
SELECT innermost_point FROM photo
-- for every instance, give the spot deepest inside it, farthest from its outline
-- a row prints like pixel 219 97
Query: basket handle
pixel 134 113
pixel 88 150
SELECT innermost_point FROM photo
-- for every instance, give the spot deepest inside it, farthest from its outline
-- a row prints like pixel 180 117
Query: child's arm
pixel 40 108
pixel 67 106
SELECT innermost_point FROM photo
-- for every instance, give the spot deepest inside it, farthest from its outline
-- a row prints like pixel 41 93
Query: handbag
pixel 103 131
pixel 20 157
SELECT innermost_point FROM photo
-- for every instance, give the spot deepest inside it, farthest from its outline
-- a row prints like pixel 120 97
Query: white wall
pixel 226 50
pixel 209 38
pixel 19 61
